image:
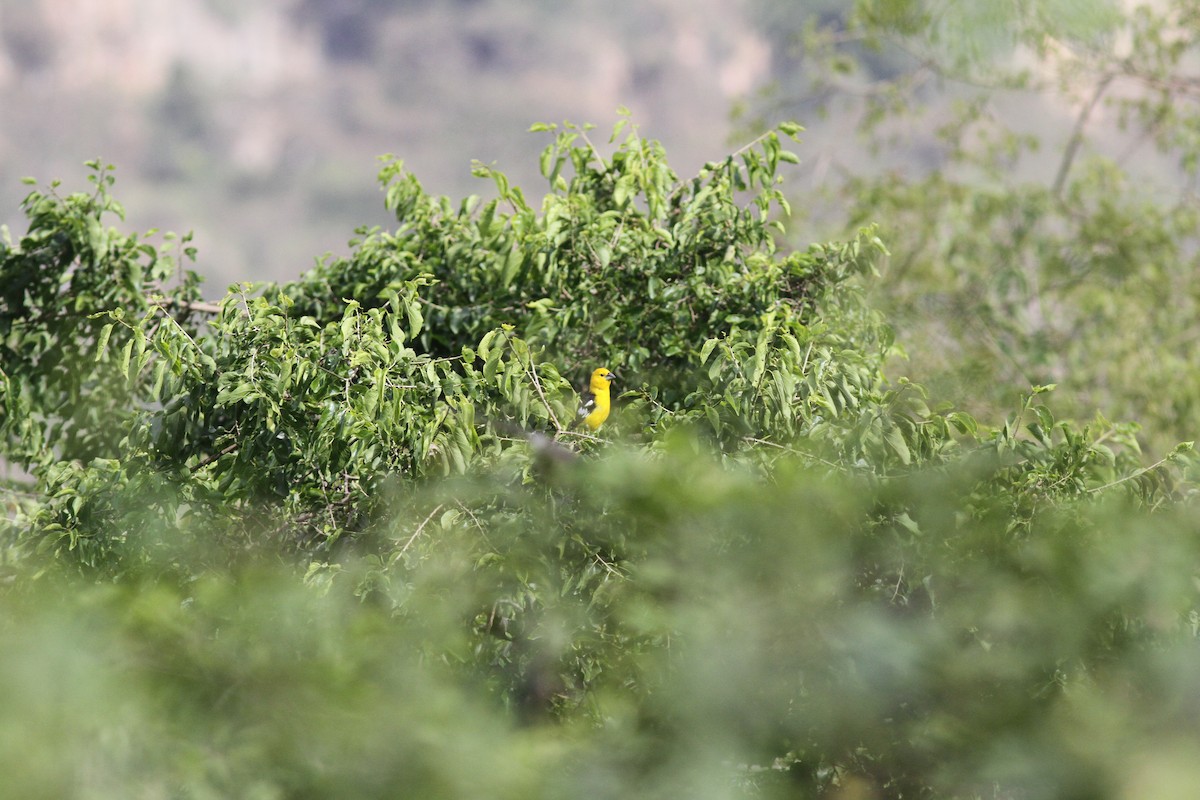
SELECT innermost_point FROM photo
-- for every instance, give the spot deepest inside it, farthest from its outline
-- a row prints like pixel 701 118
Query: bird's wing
pixel 587 402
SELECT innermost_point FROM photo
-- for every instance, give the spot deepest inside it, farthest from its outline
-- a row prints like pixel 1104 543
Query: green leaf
pixel 239 392
pixel 416 320
pixel 491 365
pixel 714 419
pixel 126 357
pixel 895 440
pixel 760 357
pixel 102 340
pixel 964 422
pixel 160 373
pixel 485 344
pixel 790 129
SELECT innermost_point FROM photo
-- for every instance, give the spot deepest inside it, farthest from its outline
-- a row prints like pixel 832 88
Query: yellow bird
pixel 596 401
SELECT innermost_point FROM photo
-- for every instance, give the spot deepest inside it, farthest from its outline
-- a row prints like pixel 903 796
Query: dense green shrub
pixel 337 538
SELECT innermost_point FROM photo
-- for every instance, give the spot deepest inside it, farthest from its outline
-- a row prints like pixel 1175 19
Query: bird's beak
pixel 612 376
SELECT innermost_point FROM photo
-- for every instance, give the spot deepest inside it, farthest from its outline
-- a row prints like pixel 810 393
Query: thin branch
pixel 178 327
pixel 1076 140
pixel 608 566
pixel 646 396
pixel 769 443
pixel 1133 475
pixel 537 384
pixel 204 462
pixel 580 435
pixel 792 450
pixel 899 583
pixel 730 157
pixel 599 158
pixel 190 305
pixel 475 519
pixel 420 528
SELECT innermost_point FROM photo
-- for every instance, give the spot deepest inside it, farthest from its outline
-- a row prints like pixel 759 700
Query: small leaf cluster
pixel 56 283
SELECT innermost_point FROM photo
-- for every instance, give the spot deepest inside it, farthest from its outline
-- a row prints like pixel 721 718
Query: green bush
pixel 337 537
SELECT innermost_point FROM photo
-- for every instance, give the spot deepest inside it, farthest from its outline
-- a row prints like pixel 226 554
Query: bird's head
pixel 601 378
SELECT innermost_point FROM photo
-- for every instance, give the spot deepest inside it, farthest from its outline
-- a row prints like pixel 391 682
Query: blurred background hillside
pixel 258 124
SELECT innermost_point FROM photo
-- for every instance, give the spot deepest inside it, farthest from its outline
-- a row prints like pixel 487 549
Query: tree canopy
pixel 336 537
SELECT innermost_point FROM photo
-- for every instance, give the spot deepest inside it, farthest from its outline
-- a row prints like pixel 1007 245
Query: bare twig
pixel 899 583
pixel 583 134
pixel 1076 140
pixel 475 519
pixel 730 157
pixel 608 566
pixel 537 384
pixel 190 305
pixel 580 435
pixel 204 462
pixel 791 450
pixel 420 528
pixel 180 328
pixel 1135 474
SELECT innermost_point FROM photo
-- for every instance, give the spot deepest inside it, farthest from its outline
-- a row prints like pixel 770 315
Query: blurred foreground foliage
pixel 685 628
pixel 336 537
